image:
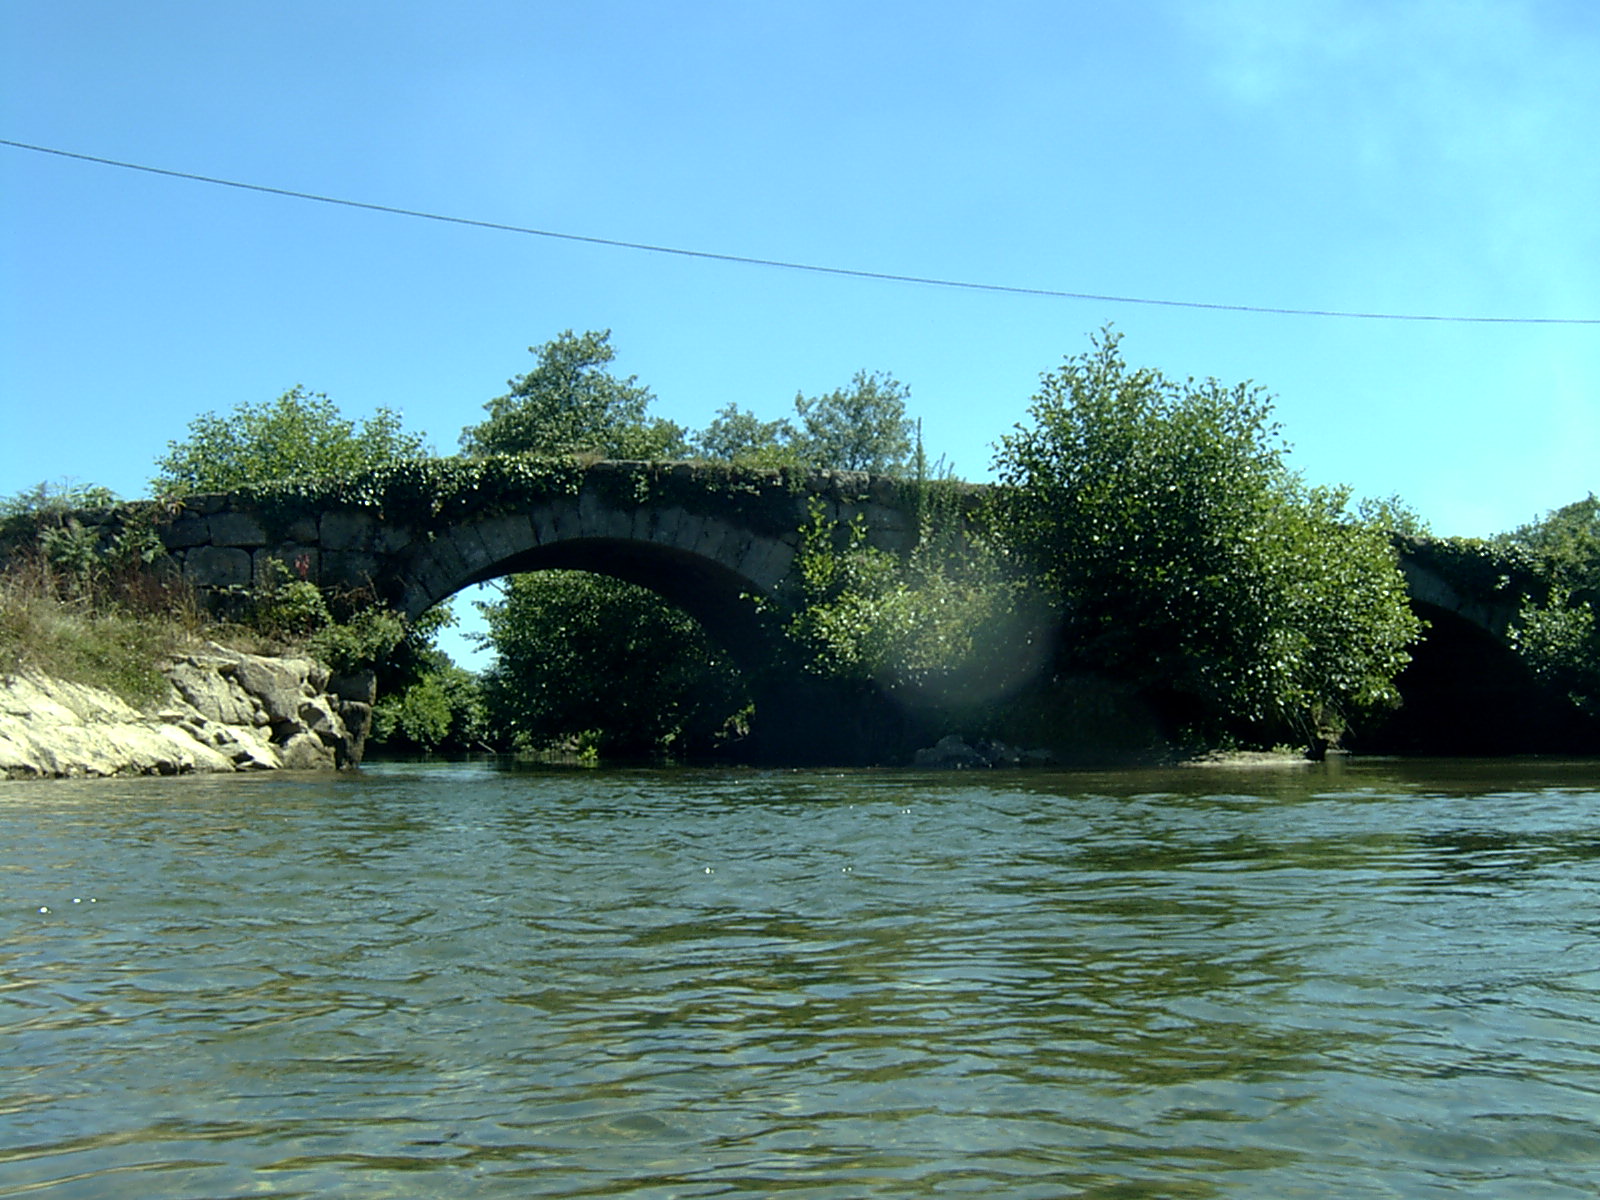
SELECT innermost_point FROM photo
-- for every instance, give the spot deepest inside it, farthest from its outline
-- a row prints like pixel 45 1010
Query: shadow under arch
pixel 797 719
pixel 1467 693
pixel 718 598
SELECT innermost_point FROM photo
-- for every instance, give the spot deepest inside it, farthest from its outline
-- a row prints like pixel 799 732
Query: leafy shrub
pixel 1181 555
pixel 587 659
pixel 1558 634
pixel 442 710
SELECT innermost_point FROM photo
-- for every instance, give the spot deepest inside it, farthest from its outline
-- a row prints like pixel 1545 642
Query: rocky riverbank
pixel 225 711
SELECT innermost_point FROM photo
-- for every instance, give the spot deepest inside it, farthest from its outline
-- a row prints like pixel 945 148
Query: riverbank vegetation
pixel 1559 632
pixel 85 613
pixel 1149 571
pixel 1182 556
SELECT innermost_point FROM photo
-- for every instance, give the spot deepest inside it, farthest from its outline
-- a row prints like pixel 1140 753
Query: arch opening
pixel 719 599
pixel 625 649
pixel 1467 693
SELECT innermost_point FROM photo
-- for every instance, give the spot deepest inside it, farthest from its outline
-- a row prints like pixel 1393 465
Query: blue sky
pixel 1399 157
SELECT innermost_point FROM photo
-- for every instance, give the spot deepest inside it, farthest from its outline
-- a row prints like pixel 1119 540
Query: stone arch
pixel 1467 692
pixel 710 567
pixel 1433 592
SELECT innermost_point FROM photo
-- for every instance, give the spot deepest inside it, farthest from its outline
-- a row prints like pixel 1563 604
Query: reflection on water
pixel 1361 980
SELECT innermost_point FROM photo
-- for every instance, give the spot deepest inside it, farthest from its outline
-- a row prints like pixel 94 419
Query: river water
pixel 1356 980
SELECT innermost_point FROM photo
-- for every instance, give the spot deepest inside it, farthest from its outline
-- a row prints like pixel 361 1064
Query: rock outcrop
pixel 951 753
pixel 224 711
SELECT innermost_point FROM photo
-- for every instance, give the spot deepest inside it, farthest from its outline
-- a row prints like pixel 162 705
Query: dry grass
pixel 113 631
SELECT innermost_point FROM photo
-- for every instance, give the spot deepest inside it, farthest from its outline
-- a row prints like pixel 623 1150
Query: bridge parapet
pixel 418 532
pixel 415 533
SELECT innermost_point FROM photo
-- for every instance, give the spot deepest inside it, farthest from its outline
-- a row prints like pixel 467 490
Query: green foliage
pixel 80 601
pixel 859 428
pixel 300 434
pixel 426 494
pixel 1567 544
pixel 1560 640
pixel 1393 514
pixel 863 427
pixel 348 635
pixel 94 548
pixel 586 659
pixel 1183 556
pixel 286 607
pixel 838 616
pixel 426 702
pixel 442 710
pixel 47 502
pixel 570 404
pixel 943 628
pixel 738 436
pixel 361 642
pixel 282 453
pixel 1558 634
pixel 115 650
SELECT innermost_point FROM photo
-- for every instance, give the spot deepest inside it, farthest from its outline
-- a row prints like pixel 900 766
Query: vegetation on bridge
pixel 1149 567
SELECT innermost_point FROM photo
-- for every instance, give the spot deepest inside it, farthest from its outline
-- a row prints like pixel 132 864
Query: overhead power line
pixel 747 260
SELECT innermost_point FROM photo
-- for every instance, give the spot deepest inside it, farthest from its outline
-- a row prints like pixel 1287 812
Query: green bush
pixel 1182 556
pixel 941 627
pixel 442 710
pixel 584 659
pixel 1558 634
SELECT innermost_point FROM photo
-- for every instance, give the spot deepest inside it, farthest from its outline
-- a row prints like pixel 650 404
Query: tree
pixel 1183 556
pixel 588 661
pixel 441 709
pixel 569 403
pixel 1567 540
pixel 937 628
pixel 1559 635
pixel 862 427
pixel 738 436
pixel 300 434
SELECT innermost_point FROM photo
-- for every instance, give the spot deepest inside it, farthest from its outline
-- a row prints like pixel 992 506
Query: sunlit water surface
pixel 1367 980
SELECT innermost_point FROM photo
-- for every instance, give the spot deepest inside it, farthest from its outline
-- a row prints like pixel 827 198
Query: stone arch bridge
pixel 707 538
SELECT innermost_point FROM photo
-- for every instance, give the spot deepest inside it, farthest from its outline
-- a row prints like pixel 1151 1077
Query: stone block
pixel 542 520
pixel 211 694
pixel 276 683
pixel 415 599
pixel 301 562
pixel 217 567
pixel 672 527
pixel 602 517
pixel 347 569
pixel 569 522
pixel 641 523
pixel 185 532
pixel 236 529
pixel 305 751
pixel 392 538
pixel 436 579
pixel 460 553
pixel 887 517
pixel 205 505
pixel 712 536
pixel 347 531
pixel 506 536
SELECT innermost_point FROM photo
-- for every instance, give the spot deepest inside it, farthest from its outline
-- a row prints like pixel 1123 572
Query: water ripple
pixel 454 981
